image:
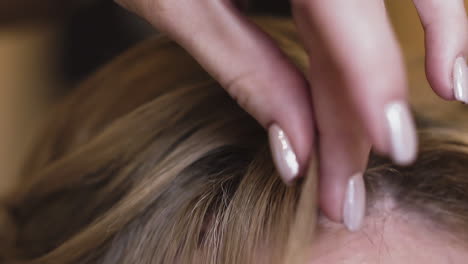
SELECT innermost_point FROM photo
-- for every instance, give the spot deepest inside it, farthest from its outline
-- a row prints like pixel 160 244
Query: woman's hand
pixel 355 94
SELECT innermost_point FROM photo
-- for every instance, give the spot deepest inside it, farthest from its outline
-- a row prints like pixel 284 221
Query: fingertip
pixel 283 153
pixel 460 80
pixel 303 141
pixel 402 134
pixel 440 67
pixel 291 112
pixel 341 162
pixel 331 198
pixel 354 205
pixel 446 36
pixel 292 145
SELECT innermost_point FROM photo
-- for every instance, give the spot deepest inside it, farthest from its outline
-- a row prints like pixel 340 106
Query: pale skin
pixel 336 111
pixel 386 239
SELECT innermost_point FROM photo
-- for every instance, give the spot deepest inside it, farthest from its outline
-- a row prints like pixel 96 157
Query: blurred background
pixel 48 46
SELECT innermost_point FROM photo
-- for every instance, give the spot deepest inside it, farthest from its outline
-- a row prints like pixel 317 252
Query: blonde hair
pixel 150 161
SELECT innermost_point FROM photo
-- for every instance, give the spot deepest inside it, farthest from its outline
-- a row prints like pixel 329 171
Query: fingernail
pixel 354 208
pixel 403 138
pixel 283 154
pixel 460 80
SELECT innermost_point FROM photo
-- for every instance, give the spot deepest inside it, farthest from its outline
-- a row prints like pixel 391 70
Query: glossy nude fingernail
pixel 283 154
pixel 460 80
pixel 354 207
pixel 402 133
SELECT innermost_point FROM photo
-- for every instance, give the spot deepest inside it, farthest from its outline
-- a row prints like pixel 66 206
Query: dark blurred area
pixel 270 7
pixel 89 32
pixel 19 11
pixel 94 34
pixel 46 48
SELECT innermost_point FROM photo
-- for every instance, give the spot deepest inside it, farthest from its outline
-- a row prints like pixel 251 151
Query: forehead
pixel 385 240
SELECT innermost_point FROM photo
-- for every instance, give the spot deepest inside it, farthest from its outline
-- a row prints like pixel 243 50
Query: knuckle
pixel 239 90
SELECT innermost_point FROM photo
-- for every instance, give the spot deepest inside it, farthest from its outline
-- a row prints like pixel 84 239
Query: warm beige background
pixel 26 78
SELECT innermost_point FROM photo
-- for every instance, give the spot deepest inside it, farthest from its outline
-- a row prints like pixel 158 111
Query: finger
pixel 351 43
pixel 343 152
pixel 250 67
pixel 446 30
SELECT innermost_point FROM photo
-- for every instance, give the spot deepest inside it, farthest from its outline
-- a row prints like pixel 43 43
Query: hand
pixel 355 95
